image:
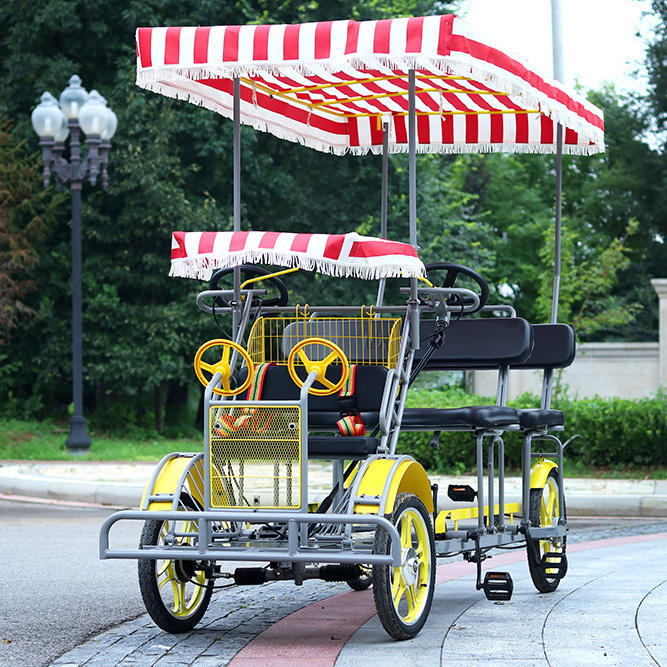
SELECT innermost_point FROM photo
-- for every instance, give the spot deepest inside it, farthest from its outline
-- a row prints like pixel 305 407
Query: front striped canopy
pixel 333 85
pixel 198 254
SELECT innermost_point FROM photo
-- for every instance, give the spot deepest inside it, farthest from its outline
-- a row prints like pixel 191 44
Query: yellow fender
pixel 409 477
pixel 167 481
pixel 539 472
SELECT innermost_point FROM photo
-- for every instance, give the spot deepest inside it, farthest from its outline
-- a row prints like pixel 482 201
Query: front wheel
pixel 545 511
pixel 175 592
pixel 403 595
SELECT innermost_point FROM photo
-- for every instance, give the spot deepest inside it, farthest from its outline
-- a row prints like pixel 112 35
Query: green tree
pixel 26 211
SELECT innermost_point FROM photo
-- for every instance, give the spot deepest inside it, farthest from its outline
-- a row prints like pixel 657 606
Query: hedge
pixel 611 431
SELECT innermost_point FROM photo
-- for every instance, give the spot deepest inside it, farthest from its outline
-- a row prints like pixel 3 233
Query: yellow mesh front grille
pixel 255 456
pixel 366 340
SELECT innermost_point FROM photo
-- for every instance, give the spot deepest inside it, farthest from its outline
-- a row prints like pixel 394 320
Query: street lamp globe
pixel 93 115
pixel 73 98
pixel 47 118
pixel 63 131
pixel 110 127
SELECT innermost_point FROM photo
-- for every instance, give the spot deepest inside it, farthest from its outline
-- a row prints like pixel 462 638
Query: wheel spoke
pixel 551 504
pixel 207 367
pixel 326 382
pixel 411 597
pixel 164 568
pixel 329 358
pixel 397 588
pixel 165 581
pixel 226 351
pixel 179 596
pixel 305 359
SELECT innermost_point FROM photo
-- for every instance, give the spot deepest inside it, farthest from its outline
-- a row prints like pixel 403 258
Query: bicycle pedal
pixel 556 563
pixel 498 586
pixel 461 493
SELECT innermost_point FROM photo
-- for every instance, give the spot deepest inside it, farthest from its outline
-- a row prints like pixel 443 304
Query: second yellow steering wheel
pixel 319 366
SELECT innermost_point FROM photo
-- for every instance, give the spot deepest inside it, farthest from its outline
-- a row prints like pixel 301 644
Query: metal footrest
pixel 498 586
pixel 554 564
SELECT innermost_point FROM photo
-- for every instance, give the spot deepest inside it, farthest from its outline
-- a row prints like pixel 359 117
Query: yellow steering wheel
pixel 320 367
pixel 223 366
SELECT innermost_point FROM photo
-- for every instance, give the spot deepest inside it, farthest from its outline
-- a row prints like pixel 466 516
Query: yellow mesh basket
pixel 255 456
pixel 366 340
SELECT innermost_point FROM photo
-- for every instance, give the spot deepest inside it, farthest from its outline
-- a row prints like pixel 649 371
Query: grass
pixel 45 441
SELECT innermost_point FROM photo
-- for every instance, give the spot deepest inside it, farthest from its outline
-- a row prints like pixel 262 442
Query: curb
pixel 12 482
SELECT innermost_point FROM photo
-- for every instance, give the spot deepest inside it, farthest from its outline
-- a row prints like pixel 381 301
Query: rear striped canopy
pixel 333 85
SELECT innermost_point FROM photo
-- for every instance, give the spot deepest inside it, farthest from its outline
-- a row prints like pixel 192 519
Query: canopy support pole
pixel 236 313
pixel 559 75
pixel 558 224
pixel 383 203
pixel 412 198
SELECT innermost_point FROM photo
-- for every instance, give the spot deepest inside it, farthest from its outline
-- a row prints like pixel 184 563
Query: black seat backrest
pixel 279 386
pixel 478 344
pixel 554 347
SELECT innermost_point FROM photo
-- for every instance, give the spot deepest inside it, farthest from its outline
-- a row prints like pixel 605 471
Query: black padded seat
pixel 477 344
pixel 324 411
pixel 467 418
pixel 349 447
pixel 531 419
pixel 554 347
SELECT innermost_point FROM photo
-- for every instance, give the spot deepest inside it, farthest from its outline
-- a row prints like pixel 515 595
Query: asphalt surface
pixel 55 590
pixel 60 600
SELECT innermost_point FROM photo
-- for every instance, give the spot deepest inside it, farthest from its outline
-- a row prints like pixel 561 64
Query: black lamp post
pixel 54 122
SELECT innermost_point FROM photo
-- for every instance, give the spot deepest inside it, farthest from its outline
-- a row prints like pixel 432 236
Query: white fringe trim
pixel 523 93
pixel 203 266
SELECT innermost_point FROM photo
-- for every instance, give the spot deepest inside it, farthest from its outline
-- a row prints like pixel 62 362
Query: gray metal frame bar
pixel 237 198
pixel 295 552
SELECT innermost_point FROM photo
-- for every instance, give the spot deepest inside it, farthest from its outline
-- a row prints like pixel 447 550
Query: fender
pixel 408 477
pixel 170 470
pixel 539 472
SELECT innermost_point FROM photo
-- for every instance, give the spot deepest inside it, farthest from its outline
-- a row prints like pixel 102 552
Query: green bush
pixel 617 431
pixel 611 431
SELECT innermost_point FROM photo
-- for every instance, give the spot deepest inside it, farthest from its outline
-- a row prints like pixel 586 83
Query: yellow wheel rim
pixel 410 581
pixel 181 598
pixel 319 366
pixel 222 366
pixel 549 515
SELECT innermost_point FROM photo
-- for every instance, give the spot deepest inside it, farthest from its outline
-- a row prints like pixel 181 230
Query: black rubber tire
pixel 362 582
pixel 543 583
pixel 382 574
pixel 150 592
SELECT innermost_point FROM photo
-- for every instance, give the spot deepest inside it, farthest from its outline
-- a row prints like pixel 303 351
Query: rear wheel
pixel 176 593
pixel 403 595
pixel 545 511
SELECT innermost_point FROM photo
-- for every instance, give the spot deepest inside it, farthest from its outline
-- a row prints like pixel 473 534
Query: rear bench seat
pixel 554 348
pixel 475 344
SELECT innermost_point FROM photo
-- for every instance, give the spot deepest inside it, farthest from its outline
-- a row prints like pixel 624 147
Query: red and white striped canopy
pixel 332 85
pixel 198 254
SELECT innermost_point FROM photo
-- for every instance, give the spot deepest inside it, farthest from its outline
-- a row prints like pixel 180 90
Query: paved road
pixel 55 591
pixel 44 549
